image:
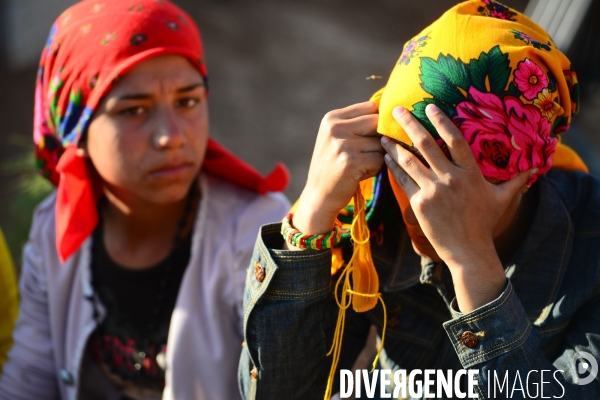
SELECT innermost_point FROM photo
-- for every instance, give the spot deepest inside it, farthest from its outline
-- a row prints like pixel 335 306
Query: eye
pixel 188 102
pixel 133 111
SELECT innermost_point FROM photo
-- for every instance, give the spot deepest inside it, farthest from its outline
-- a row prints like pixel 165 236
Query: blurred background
pixel 276 67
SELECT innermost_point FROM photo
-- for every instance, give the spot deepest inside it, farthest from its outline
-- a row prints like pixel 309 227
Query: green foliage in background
pixel 26 189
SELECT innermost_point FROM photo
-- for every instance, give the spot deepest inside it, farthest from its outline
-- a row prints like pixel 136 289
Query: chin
pixel 170 193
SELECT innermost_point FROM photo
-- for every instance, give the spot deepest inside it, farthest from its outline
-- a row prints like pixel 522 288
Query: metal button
pixel 254 373
pixel 469 339
pixel 259 272
pixel 67 377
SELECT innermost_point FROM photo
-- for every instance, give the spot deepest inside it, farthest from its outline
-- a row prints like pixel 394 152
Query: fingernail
pixel 533 171
pixel 385 139
pixel 387 158
pixel 432 109
pixel 399 110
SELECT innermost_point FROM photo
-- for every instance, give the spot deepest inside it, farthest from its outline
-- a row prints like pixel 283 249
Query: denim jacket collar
pixel 540 264
pixel 537 268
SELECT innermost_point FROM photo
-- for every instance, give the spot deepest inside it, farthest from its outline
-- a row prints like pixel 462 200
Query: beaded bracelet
pixel 305 241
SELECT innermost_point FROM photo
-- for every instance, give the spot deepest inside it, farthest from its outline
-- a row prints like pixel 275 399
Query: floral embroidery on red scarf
pixel 138 39
pixel 172 25
pixel 86 29
pixel 108 38
pixel 98 7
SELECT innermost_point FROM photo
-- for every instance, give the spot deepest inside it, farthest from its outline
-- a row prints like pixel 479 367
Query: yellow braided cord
pixel 343 304
pixel 336 346
pixel 378 295
pixel 361 267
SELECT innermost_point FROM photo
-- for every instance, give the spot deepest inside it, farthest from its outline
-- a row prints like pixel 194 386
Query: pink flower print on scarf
pixel 506 136
pixel 530 79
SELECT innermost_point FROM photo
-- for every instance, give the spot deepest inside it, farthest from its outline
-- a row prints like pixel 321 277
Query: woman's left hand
pixel 456 207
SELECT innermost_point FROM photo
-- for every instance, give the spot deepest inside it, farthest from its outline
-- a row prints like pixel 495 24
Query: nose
pixel 168 130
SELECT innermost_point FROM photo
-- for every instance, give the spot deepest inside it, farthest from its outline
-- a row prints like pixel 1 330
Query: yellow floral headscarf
pixel 500 78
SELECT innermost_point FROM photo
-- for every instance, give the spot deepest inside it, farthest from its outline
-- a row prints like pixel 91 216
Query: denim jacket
pixel 548 312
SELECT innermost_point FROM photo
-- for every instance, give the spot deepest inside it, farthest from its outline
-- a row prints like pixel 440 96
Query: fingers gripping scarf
pixel 504 84
pixel 90 45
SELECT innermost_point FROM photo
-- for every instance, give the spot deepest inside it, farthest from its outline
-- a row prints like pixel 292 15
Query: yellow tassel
pixel 364 276
pixel 365 294
pixel 337 260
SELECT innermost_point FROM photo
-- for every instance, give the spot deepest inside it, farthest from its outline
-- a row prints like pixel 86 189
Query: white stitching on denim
pixel 501 348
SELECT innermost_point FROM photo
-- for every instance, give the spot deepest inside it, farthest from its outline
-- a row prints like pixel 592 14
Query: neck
pixel 521 216
pixel 138 233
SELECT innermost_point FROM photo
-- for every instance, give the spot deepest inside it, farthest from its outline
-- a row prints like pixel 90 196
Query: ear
pixel 82 149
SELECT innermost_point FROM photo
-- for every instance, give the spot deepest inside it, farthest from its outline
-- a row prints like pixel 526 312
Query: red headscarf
pixel 90 45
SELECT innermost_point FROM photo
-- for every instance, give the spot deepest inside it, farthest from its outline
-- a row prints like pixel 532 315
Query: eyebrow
pixel 190 87
pixel 143 96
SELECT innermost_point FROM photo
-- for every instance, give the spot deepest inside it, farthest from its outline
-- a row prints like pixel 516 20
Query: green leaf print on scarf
pixel 419 112
pixel 493 66
pixel 448 80
pixel 442 78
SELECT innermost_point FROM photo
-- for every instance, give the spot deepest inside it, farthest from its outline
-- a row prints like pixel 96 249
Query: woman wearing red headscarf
pixel 133 274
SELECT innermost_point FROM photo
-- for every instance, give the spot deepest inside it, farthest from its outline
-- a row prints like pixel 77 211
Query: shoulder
pixel 233 216
pixel 231 202
pixel 580 194
pixel 43 225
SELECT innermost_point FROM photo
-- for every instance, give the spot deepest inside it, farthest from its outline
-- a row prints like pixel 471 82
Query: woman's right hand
pixel 347 151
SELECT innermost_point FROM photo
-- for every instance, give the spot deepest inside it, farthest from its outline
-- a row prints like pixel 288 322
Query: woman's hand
pixel 456 207
pixel 347 151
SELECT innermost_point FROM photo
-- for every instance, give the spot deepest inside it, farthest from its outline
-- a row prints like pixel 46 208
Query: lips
pixel 172 169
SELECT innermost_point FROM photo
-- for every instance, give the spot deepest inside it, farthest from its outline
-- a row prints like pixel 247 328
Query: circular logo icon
pixel 585 363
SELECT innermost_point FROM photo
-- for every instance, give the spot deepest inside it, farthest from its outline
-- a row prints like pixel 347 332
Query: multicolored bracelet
pixel 305 241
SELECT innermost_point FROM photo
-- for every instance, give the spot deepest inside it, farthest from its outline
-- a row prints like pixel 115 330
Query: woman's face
pixel 147 138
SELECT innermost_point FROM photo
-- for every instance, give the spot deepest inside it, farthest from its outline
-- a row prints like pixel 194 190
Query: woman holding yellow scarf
pixel 473 251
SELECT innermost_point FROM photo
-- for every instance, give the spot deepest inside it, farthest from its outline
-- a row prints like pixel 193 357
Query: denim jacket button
pixel 254 373
pixel 469 339
pixel 66 377
pixel 259 272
